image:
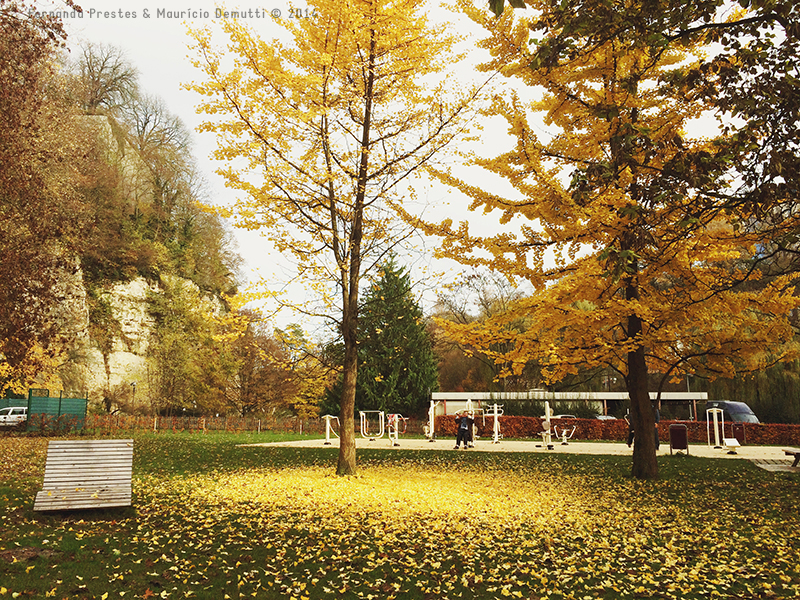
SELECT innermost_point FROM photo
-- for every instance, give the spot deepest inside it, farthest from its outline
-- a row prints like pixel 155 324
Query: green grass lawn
pixel 213 520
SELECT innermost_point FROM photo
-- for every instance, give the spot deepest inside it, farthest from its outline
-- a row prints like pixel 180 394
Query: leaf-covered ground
pixel 212 520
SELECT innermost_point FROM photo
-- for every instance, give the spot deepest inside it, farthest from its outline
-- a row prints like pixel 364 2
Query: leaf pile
pixel 276 523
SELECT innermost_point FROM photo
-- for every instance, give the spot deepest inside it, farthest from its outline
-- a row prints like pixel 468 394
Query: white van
pixel 13 416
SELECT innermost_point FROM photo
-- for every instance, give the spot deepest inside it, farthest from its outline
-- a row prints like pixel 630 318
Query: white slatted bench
pixel 83 474
pixel 731 444
pixel 795 452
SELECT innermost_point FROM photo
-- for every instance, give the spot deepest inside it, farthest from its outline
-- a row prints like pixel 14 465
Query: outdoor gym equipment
pixel 430 428
pixel 496 412
pixel 393 424
pixel 715 415
pixel 547 434
pixel 564 435
pixel 365 433
pixel 328 429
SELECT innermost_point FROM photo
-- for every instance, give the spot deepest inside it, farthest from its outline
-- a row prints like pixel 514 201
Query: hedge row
pixel 123 422
pixel 594 429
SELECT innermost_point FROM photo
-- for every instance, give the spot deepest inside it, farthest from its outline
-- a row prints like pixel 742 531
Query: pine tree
pixel 398 367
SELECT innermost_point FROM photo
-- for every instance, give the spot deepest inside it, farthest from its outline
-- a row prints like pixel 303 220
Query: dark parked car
pixel 736 412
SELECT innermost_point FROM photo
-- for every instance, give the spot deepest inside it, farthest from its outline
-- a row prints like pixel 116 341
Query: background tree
pixel 142 185
pixel 102 197
pixel 397 366
pixel 332 126
pixel 479 295
pixel 40 211
pixel 248 390
pixel 276 372
pixel 106 80
pixel 307 375
pixel 773 394
pixel 643 240
pixel 191 352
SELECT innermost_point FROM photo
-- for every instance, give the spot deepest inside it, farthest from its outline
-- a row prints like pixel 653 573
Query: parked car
pixel 605 417
pixel 563 417
pixel 13 416
pixel 736 412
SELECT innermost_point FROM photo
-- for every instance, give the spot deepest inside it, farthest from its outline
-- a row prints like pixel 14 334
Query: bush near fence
pixel 758 434
pixel 123 422
pixel 47 424
pixel 772 434
pixel 510 426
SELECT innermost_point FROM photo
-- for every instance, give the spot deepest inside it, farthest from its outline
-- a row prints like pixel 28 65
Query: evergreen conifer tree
pixel 397 365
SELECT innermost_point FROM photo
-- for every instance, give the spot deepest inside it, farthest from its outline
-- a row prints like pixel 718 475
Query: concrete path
pixel 761 455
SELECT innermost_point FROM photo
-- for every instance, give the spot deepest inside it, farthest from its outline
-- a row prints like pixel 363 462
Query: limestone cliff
pixel 145 234
pixel 108 359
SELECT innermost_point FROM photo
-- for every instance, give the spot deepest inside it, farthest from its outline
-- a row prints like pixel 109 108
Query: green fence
pixel 65 412
pixel 12 399
pixel 6 402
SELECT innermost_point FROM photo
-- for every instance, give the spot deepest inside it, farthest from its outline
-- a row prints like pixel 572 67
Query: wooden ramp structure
pixel 81 474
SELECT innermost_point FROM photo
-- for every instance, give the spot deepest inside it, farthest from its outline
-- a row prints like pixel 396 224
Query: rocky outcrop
pixel 108 327
pixel 107 318
pixel 108 359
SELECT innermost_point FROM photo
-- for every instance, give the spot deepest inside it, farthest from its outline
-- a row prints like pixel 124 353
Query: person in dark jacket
pixel 464 429
pixel 656 417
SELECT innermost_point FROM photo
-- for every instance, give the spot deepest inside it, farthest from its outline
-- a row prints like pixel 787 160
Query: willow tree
pixel 321 136
pixel 640 234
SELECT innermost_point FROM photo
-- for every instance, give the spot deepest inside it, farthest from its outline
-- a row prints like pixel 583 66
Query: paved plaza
pixel 771 458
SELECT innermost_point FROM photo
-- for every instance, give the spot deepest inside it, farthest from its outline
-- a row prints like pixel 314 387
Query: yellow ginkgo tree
pixel 320 136
pixel 644 245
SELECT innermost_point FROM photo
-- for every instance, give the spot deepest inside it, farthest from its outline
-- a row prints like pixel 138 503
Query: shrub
pixel 617 429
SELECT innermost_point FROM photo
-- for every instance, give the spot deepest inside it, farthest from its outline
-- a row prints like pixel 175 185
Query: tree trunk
pixel 347 405
pixel 645 465
pixel 347 437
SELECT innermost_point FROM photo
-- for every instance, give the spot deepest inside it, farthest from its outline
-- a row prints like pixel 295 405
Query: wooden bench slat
pixel 91 450
pixel 63 462
pixel 94 469
pixel 90 443
pixel 97 476
pixel 88 457
pixel 116 474
pixel 66 482
pixel 82 505
pixel 65 502
pixel 85 492
pixel 74 470
pixel 95 466
pixel 74 500
pixel 89 472
pixel 86 474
